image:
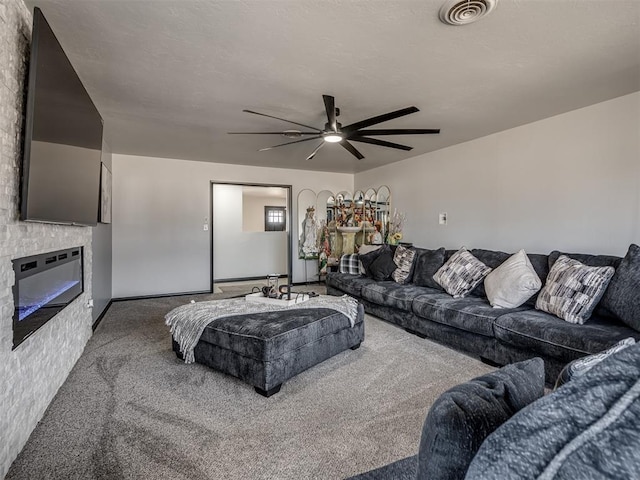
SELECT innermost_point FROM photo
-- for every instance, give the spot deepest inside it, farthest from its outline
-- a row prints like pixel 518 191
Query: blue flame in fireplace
pixel 26 310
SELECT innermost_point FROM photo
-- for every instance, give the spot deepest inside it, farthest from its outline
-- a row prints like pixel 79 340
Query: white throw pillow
pixel 512 283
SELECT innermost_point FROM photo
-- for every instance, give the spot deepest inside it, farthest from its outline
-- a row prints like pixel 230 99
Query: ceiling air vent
pixel 461 12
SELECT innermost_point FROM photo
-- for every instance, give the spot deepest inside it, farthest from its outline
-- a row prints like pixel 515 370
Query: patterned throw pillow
pixel 582 365
pixel 573 289
pixel 403 258
pixel 350 264
pixel 461 273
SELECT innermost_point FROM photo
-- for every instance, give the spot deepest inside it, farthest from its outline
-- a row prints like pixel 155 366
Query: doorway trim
pixel 289 230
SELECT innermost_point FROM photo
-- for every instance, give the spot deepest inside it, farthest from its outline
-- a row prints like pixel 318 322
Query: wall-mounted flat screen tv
pixel 63 138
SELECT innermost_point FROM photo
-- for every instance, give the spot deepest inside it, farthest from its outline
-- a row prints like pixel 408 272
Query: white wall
pixel 159 209
pixel 253 211
pixel 31 374
pixel 569 182
pixel 254 254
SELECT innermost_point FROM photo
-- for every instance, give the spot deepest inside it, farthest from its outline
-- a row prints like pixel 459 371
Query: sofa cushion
pixel 427 263
pixel 266 336
pixel 471 314
pixel 590 260
pixel 492 259
pixel 367 259
pixel 404 260
pixel 546 335
pixel 383 266
pixel 461 273
pixel 573 289
pixel 464 416
pixel 622 298
pixel 540 264
pixel 513 282
pixel 351 284
pixel 587 429
pixel 391 294
pixel 580 366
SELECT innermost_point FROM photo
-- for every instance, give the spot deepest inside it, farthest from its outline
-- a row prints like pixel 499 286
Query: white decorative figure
pixel 309 235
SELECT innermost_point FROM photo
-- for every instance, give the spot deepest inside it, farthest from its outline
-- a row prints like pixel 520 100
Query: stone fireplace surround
pixel 31 374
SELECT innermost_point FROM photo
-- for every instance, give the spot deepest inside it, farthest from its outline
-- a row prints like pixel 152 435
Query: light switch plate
pixel 442 218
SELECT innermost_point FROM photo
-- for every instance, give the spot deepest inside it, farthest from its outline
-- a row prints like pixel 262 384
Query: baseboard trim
pixel 101 316
pixel 160 295
pixel 246 279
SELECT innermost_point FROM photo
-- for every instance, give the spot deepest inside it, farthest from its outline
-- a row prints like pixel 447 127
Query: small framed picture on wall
pixel 105 195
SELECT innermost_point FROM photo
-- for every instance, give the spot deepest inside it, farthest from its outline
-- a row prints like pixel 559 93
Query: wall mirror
pixel 340 222
pixel 383 206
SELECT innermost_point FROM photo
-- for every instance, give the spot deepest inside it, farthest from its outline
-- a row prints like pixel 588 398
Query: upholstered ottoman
pixel 265 349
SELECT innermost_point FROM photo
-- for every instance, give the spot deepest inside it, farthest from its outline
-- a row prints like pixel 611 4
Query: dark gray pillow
pixel 588 428
pixel 368 258
pixel 590 260
pixel 462 417
pixel 621 297
pixel 426 264
pixel 383 266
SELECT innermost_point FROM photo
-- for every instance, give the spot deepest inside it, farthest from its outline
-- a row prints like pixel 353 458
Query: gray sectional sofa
pixel 472 325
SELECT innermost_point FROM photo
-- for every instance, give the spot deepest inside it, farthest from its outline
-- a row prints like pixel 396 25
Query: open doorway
pixel 251 233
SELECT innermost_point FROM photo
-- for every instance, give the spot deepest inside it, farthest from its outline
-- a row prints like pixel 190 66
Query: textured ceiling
pixel 171 77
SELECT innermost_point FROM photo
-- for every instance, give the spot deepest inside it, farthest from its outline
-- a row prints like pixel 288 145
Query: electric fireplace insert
pixel 45 284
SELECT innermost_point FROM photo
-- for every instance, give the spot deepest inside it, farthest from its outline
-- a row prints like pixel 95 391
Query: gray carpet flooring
pixel 131 409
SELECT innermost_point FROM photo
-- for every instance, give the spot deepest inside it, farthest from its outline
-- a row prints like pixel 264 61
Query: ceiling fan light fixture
pixel 333 137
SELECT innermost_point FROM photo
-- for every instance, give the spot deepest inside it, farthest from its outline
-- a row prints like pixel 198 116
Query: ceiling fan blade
pixel 330 107
pixel 270 133
pixel 382 143
pixel 379 119
pixel 351 149
pixel 284 120
pixel 398 131
pixel 288 143
pixel 313 154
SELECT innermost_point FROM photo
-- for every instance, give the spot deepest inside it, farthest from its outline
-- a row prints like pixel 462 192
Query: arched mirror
pixel 373 234
pixel 325 213
pixel 383 205
pixel 308 246
pixel 344 209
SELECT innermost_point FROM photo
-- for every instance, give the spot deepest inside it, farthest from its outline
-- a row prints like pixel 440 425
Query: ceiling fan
pixel 334 132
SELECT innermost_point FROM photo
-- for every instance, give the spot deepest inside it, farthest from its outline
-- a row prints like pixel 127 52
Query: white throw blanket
pixel 189 321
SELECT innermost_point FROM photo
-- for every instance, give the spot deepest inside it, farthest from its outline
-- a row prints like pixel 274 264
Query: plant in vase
pixel 394 228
